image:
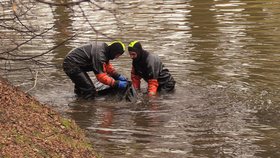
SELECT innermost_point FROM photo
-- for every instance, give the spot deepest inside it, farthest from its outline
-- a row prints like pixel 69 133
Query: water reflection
pixel 204 38
pixel 63 30
pixel 223 55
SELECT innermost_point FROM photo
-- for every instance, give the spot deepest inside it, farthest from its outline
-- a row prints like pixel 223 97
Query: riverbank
pixel 30 129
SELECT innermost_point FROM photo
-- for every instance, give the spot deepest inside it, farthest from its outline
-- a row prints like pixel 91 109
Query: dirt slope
pixel 30 129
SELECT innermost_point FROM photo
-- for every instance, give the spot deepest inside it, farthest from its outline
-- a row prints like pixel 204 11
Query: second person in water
pixel 149 67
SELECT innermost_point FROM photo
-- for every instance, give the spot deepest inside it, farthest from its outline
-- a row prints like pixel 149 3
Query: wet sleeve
pixel 136 79
pixel 111 70
pixel 99 66
pixel 154 67
pixel 104 78
pixel 152 86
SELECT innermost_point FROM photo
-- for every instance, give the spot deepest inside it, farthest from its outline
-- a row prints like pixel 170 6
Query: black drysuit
pixel 149 67
pixel 91 57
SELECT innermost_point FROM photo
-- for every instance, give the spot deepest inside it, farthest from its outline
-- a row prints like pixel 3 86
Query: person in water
pixel 149 67
pixel 94 57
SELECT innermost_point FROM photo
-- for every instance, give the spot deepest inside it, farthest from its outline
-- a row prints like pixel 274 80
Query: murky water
pixel 224 55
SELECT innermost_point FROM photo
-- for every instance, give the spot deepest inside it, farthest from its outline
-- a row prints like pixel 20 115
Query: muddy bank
pixel 30 129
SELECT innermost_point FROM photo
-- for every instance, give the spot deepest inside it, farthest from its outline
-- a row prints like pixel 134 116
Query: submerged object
pixel 128 94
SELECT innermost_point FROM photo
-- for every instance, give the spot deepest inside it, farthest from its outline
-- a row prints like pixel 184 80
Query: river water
pixel 224 55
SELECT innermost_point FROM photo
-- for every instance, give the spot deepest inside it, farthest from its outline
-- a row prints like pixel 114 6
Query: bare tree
pixel 18 31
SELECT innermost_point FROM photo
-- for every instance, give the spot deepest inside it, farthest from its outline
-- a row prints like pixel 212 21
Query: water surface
pixel 224 56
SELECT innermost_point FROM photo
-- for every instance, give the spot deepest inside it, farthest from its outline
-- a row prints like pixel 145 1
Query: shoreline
pixel 31 129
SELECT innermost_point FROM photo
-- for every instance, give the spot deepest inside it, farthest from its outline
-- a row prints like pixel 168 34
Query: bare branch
pixel 20 32
pixel 63 4
pixel 92 27
pixel 11 50
pixel 23 24
pixel 13 28
pixel 18 69
pixel 17 17
pixel 53 48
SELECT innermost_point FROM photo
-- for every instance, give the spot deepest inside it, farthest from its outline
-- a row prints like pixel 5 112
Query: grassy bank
pixel 30 129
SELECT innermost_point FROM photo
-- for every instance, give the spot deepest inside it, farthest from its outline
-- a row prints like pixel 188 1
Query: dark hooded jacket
pixel 93 57
pixel 149 67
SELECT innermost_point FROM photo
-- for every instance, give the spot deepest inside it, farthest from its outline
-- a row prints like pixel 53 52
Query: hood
pixel 114 48
pixel 135 46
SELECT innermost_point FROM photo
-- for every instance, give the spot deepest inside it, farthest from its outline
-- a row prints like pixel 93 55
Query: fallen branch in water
pixel 35 82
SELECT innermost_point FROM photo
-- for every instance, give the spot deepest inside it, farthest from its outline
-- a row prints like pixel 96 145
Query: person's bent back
pixel 94 57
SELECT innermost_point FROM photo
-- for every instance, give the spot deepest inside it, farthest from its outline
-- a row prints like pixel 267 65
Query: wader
pixel 84 86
